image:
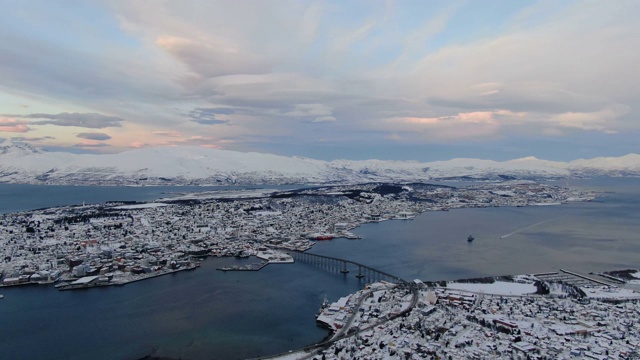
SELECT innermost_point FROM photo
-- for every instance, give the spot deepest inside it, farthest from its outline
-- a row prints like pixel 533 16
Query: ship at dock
pixel 325 304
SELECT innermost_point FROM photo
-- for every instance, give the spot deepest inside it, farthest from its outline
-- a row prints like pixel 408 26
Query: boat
pixel 325 304
pixel 1 296
pixel 323 237
pixel 470 238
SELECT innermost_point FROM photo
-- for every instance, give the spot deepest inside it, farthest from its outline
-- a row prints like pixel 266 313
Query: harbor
pixel 116 243
pixel 248 267
pixel 536 316
pixel 193 304
pixel 99 281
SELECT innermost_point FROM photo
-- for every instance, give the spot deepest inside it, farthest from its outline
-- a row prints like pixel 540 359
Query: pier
pixel 342 266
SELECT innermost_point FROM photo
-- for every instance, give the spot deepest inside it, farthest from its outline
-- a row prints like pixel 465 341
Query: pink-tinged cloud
pixel 168 133
pixel 416 120
pixel 91 144
pixel 138 145
pixel 477 117
pixel 475 124
pixel 603 120
pixel 13 126
pixel 394 137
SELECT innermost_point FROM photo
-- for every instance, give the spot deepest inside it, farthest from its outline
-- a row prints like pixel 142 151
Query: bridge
pixel 345 267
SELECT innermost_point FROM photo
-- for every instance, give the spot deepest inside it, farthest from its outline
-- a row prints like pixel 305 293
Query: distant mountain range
pixel 22 163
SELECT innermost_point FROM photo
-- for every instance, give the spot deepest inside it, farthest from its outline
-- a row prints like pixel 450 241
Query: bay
pixel 24 197
pixel 201 314
pixel 583 236
pixel 209 314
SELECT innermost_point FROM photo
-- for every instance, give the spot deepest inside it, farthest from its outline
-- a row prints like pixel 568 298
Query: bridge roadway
pixel 342 266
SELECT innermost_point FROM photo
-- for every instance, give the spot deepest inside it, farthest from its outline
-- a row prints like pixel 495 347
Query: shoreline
pixel 63 287
pixel 463 307
pixel 260 216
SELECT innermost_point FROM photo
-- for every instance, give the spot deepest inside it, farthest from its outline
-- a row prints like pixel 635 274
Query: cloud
pixel 349 37
pixel 311 22
pixel 168 133
pixel 94 136
pixel 203 141
pixel 13 126
pixel 424 72
pixel 478 124
pixel 321 119
pixel 566 68
pixel 138 144
pixel 86 120
pixel 318 112
pixel 212 57
pixel 91 145
pixel 33 139
pixel 603 120
pixel 208 116
pixel 394 137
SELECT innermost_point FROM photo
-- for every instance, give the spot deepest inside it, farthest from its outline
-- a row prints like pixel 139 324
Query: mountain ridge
pixel 23 163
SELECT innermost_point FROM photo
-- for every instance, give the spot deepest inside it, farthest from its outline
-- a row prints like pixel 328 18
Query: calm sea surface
pixel 21 197
pixel 209 314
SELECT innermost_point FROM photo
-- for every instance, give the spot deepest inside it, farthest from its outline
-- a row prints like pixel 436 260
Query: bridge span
pixel 345 267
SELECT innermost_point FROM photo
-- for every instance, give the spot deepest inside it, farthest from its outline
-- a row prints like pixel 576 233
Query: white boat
pixel 1 296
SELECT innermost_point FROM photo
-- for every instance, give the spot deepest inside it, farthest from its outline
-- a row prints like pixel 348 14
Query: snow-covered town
pixel 560 315
pixel 116 243
pixel 553 315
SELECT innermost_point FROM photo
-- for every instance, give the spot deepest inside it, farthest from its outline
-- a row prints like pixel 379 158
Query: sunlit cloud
pixel 14 126
pixel 266 75
pixel 168 133
pixel 478 124
pixel 86 120
pixel 603 120
pixel 138 145
pixel 91 145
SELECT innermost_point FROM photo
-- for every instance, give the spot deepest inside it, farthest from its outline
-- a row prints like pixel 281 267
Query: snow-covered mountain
pixel 22 163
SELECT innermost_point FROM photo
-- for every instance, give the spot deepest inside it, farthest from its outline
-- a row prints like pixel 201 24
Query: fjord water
pixel 584 236
pixel 201 314
pixel 209 314
pixel 22 197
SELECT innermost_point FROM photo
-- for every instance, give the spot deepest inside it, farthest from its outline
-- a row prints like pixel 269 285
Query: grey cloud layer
pixel 86 120
pixel 294 72
pixel 94 136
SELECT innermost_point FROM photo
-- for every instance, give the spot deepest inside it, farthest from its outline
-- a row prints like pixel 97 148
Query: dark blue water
pixel 201 314
pixel 22 197
pixel 208 314
pixel 585 236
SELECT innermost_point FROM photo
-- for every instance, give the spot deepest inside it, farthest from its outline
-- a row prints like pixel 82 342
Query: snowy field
pixel 496 288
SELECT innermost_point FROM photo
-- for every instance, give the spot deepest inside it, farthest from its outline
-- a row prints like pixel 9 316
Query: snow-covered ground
pixel 613 293
pixel 140 206
pixel 21 163
pixel 496 288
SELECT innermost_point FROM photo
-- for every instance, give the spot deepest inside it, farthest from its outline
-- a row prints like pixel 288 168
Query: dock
pixel 248 267
pixel 90 281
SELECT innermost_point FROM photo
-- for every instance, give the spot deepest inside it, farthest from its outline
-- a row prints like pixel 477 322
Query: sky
pixel 405 80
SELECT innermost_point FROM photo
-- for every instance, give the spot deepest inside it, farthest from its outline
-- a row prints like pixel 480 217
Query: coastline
pixel 478 244
pixel 122 281
pixel 461 303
